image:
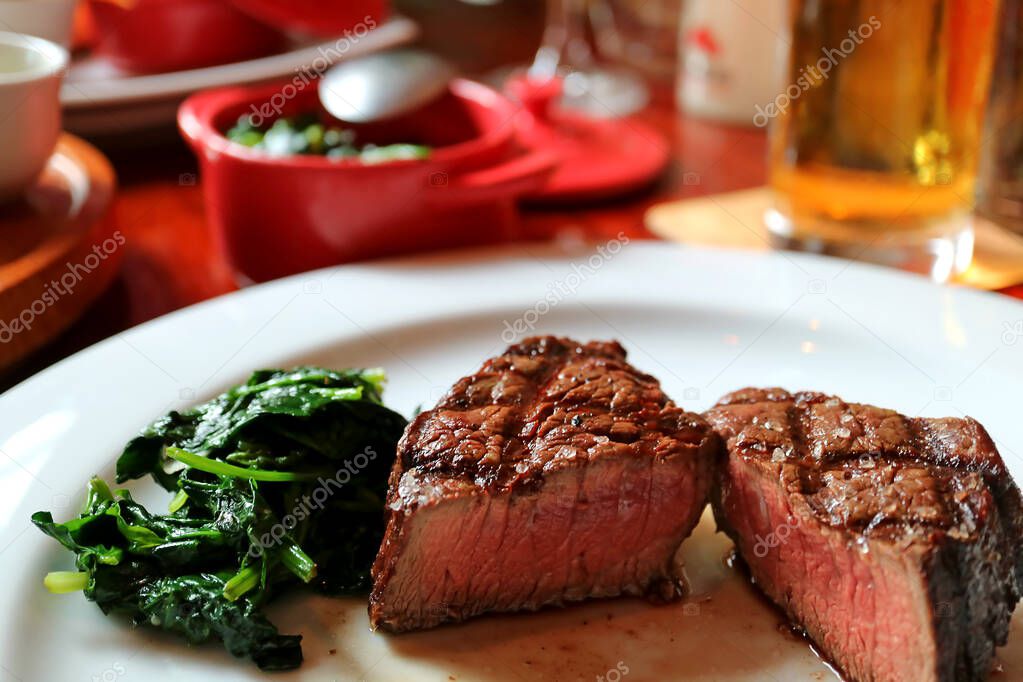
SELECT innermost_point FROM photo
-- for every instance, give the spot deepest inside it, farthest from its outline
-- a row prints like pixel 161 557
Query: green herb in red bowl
pixel 307 134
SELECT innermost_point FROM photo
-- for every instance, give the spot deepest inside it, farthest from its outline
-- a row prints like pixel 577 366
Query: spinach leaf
pixel 295 420
pixel 194 607
pixel 278 482
pixel 130 562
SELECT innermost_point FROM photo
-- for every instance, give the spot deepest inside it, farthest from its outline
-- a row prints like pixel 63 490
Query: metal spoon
pixel 383 85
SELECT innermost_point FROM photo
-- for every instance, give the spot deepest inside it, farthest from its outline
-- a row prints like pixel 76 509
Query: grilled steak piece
pixel 896 543
pixel 555 473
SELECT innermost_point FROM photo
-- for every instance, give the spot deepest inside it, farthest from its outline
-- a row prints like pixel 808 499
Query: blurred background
pixel 161 152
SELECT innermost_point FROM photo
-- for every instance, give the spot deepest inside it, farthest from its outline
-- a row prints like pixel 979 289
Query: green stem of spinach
pixel 292 557
pixel 98 491
pixel 376 376
pixel 213 466
pixel 60 582
pixel 348 393
pixel 298 562
pixel 178 502
pixel 242 581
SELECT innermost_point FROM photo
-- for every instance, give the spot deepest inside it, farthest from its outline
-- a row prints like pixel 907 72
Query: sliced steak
pixel 896 543
pixel 555 473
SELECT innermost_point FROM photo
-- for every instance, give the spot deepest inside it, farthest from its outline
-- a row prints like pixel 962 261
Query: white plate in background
pixel 100 99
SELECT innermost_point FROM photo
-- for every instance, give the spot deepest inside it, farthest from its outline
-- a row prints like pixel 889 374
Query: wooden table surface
pixel 169 260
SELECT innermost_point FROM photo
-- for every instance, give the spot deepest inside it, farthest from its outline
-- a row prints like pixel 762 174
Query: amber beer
pixel 876 132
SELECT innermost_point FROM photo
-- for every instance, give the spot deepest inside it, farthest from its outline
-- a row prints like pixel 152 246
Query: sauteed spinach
pixel 277 482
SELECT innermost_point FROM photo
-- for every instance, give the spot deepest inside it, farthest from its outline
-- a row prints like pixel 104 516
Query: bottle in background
pixel 728 56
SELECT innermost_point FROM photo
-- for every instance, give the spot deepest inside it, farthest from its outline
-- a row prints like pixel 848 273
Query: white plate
pixel 98 98
pixel 705 322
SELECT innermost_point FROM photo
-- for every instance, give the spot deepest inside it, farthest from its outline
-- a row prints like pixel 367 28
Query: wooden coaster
pixel 59 249
pixel 735 220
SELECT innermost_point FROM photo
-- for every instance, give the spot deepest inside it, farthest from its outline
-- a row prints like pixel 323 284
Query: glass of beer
pixel 876 130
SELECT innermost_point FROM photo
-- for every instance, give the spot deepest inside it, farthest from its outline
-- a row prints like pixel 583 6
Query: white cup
pixel 31 70
pixel 49 19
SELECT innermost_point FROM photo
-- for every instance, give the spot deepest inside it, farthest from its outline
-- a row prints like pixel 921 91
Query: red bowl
pixel 276 216
pixel 317 17
pixel 154 36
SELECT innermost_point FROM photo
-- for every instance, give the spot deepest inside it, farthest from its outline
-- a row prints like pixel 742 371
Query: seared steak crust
pixel 555 473
pixel 895 542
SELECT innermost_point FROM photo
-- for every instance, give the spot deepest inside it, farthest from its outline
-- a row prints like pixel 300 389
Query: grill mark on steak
pixel 904 559
pixel 506 443
pixel 555 473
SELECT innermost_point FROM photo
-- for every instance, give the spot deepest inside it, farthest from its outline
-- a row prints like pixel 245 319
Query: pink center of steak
pixel 557 472
pixel 877 533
